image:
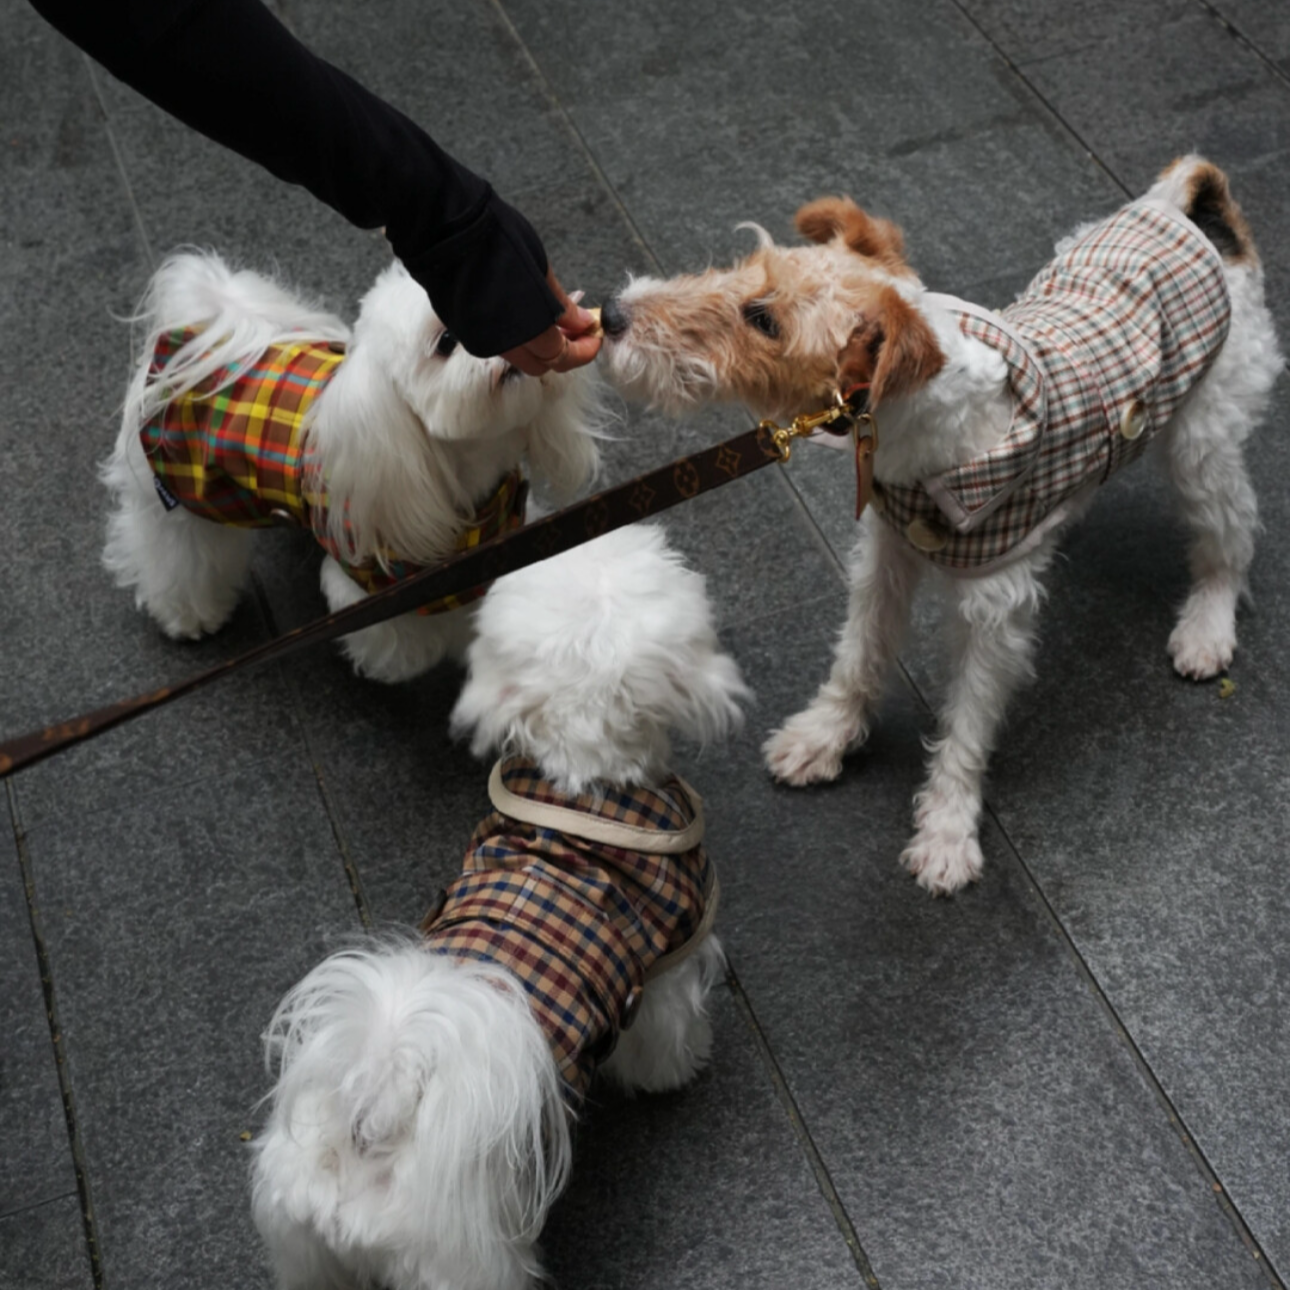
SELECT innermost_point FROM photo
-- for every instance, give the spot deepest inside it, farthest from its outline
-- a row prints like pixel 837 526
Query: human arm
pixel 233 72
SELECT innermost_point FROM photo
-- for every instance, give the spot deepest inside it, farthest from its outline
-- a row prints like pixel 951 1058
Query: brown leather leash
pixel 638 498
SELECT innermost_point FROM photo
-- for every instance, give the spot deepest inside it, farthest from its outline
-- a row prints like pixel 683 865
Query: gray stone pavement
pixel 1073 1075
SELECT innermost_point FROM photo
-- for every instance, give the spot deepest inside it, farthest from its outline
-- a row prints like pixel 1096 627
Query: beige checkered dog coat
pixel 583 899
pixel 1101 349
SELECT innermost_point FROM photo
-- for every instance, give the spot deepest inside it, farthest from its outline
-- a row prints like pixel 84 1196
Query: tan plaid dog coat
pixel 234 451
pixel 582 898
pixel 1101 349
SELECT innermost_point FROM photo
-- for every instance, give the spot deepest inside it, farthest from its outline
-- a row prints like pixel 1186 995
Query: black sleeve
pixel 232 71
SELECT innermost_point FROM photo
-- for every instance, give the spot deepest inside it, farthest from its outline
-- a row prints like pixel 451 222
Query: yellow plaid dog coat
pixel 582 898
pixel 1101 349
pixel 234 451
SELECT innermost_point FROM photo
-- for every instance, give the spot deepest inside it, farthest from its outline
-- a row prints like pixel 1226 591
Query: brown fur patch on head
pixel 765 332
pixel 867 235
pixel 893 350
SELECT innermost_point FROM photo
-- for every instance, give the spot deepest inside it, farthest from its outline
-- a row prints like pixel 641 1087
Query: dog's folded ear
pixel 830 217
pixel 892 349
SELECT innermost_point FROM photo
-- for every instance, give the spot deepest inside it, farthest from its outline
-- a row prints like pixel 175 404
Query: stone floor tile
pixel 1265 26
pixel 217 200
pixel 43 1248
pixel 982 1120
pixel 980 1114
pixel 246 719
pixel 1176 87
pixel 35 1161
pixel 705 1187
pixel 675 149
pixel 1027 32
pixel 171 939
pixel 1147 807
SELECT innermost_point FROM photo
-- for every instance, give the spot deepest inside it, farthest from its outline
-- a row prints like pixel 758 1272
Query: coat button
pixel 282 517
pixel 926 536
pixel 1133 420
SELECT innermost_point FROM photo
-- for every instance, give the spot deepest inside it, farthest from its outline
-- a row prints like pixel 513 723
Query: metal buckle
pixel 846 413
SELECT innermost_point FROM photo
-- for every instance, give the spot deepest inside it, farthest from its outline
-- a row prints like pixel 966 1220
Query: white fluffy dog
pixel 258 407
pixel 993 431
pixel 420 1123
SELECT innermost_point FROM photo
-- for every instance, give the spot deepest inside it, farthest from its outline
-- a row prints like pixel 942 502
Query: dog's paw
pixel 183 622
pixel 1200 654
pixel 1203 642
pixel 943 863
pixel 808 748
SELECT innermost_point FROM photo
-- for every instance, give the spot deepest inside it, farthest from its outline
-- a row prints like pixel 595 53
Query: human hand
pixel 573 340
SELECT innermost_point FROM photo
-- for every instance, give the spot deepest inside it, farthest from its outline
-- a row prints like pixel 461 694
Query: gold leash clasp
pixel 802 427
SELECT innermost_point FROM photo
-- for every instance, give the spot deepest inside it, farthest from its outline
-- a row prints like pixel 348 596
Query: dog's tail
pixel 1201 191
pixel 236 315
pixel 423 1081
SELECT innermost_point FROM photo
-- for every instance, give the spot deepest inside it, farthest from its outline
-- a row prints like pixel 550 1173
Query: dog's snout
pixel 613 317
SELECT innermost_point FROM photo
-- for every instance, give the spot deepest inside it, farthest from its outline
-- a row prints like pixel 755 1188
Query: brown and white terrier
pixel 994 430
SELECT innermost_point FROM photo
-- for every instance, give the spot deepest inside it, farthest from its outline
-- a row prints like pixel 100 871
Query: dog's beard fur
pixel 418 1136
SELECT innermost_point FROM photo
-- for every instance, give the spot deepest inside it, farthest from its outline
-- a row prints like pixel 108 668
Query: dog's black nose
pixel 613 317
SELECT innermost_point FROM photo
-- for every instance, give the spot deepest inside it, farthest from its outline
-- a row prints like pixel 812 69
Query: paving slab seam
pixel 1237 34
pixel 1066 126
pixel 548 92
pixel 1175 1119
pixel 352 875
pixel 798 1125
pixel 40 1204
pixel 839 564
pixel 1176 1122
pixel 56 1039
pixel 117 157
pixel 795 1119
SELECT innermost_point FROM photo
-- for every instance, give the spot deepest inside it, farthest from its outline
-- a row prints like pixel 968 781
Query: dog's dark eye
pixel 757 315
pixel 445 344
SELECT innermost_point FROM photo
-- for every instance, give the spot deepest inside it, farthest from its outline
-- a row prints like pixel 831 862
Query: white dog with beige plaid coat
pixel 994 431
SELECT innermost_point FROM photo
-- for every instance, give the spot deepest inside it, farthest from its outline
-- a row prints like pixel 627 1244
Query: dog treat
pixel 598 329
pixel 1226 687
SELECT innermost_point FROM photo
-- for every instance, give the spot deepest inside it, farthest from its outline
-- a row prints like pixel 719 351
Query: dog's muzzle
pixel 614 319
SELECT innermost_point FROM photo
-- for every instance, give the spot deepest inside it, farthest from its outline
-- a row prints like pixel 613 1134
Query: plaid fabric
pixel 503 512
pixel 233 450
pixel 1135 308
pixel 578 923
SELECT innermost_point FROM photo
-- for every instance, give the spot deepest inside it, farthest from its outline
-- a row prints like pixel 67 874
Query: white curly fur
pixel 588 662
pixel 407 440
pixel 418 1136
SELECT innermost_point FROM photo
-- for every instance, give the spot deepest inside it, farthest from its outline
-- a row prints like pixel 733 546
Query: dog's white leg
pixel 300 1258
pixel 186 572
pixel 399 648
pixel 1208 468
pixel 671 1039
pixel 809 746
pixel 992 655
